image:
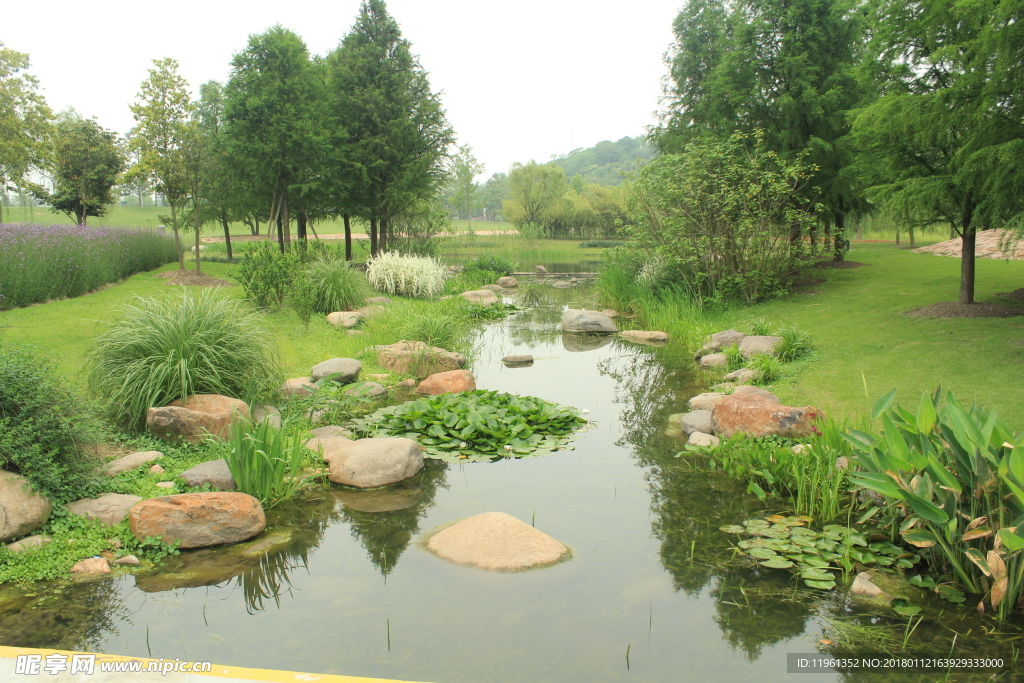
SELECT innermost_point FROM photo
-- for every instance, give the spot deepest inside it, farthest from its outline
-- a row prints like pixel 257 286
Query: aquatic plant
pixel 160 350
pixel 952 484
pixel 444 328
pixel 781 542
pixel 266 462
pixel 768 368
pixel 416 276
pixel 492 262
pixel 44 262
pixel 477 425
pixel 734 360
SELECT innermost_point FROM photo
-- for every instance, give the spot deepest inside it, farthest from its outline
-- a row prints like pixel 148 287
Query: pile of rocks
pixel 712 353
pixel 349 319
pixel 748 410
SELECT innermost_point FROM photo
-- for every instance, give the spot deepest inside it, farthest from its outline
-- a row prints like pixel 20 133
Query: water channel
pixel 652 592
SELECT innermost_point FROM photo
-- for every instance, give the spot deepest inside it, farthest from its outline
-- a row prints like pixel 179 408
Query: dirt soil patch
pixel 839 265
pixel 190 278
pixel 955 309
pixel 1016 295
pixel 808 282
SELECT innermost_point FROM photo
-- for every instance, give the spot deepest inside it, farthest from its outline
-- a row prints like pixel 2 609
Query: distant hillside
pixel 605 162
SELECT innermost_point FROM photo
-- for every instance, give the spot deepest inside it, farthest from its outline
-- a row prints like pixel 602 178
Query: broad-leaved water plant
pixel 477 425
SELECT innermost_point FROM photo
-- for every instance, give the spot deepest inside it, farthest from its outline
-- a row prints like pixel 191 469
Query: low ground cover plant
pixel 477 425
pixel 420 277
pixel 45 262
pixel 45 428
pixel 160 350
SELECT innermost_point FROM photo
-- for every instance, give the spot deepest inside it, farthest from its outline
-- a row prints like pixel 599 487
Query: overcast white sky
pixel 520 80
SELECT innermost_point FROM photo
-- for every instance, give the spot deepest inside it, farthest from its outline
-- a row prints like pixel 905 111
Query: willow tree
pixel 274 133
pixel 396 133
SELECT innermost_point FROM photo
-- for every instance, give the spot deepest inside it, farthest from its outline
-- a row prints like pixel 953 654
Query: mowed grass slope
pixel 862 334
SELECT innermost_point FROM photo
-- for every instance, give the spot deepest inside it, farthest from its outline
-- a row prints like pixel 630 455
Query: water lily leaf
pixel 817 575
pixel 815 561
pixel 904 608
pixel 820 585
pixel 777 563
pixel 950 593
pixel 762 553
pixel 922 581
pixel 732 529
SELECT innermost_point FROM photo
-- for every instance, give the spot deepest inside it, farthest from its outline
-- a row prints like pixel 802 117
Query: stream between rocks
pixel 339 585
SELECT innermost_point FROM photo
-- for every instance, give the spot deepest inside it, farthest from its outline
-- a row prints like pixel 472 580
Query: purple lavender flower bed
pixel 43 262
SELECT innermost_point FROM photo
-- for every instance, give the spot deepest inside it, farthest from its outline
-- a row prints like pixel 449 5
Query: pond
pixel 652 593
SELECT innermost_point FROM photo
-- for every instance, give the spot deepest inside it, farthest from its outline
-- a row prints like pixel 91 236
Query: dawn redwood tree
pixel 274 133
pixel 464 168
pixel 85 161
pixel 24 120
pixel 945 142
pixel 397 134
pixel 784 67
pixel 162 114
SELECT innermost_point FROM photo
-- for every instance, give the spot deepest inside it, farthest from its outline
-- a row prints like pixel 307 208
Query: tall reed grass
pixel 44 262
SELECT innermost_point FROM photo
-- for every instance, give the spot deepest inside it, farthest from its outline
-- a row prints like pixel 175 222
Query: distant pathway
pixel 355 236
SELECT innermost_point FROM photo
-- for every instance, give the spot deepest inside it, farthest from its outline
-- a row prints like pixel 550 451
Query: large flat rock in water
pixel 497 542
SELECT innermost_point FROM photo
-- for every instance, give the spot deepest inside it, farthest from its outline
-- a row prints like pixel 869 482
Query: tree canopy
pixel 86 162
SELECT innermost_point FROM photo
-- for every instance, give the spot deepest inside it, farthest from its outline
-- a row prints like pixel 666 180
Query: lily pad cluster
pixel 786 543
pixel 477 425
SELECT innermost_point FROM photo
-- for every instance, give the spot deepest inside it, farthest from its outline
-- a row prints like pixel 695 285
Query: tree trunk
pixel 300 226
pixel 814 238
pixel 967 256
pixel 140 195
pixel 382 243
pixel 842 245
pixel 910 233
pixel 897 236
pixel 826 243
pixel 177 236
pixel 287 222
pixel 197 224
pixel 373 235
pixel 227 233
pixel 348 236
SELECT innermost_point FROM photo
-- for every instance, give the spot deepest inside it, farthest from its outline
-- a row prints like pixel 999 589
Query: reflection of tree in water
pixel 532 326
pixel 385 521
pixel 60 616
pixel 690 503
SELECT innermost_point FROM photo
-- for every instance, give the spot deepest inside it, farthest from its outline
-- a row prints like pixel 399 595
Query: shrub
pixel 496 264
pixel 266 274
pixel 43 427
pixel 266 462
pixel 44 262
pixel 415 276
pixel 337 286
pixel 601 244
pixel 160 350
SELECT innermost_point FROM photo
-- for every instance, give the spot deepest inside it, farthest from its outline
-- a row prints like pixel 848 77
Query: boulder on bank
pixel 480 297
pixel 508 281
pixel 378 301
pixel 298 386
pixel 497 542
pixel 129 462
pixel 417 358
pixel 493 288
pixel 702 440
pixel 198 519
pixel 759 345
pixel 705 401
pixel 29 543
pixel 743 375
pixel 340 370
pixel 757 391
pixel 369 463
pixel 582 321
pixel 644 335
pixel 196 418
pixel 346 319
pixel 110 508
pixel 450 382
pixel 719 341
pixel 366 390
pixel 684 424
pixel 755 415
pixel 21 509
pixel 265 412
pixel 213 472
pixel 330 432
pixel 714 360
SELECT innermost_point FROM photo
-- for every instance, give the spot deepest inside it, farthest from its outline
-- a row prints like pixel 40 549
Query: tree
pixel 275 138
pixel 535 193
pixel 494 193
pixel 784 67
pixel 944 142
pixel 162 116
pixel 464 169
pixel 397 133
pixel 24 119
pixel 221 192
pixel 86 162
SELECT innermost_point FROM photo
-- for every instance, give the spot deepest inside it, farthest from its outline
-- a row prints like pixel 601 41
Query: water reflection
pixel 385 521
pixel 60 615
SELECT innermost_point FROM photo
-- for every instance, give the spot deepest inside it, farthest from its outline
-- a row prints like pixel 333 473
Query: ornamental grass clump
pixel 160 350
pixel 415 276
pixel 336 286
pixel 477 425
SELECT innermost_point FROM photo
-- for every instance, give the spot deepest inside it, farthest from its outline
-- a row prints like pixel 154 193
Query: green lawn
pixel 862 334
